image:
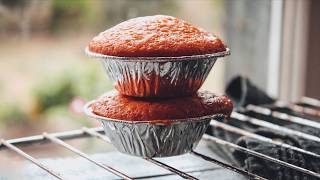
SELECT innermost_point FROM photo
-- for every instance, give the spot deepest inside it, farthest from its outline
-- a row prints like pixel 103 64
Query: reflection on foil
pixel 150 140
pixel 154 138
pixel 158 76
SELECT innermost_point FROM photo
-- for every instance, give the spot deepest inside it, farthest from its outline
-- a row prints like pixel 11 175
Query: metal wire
pixel 304 110
pixel 260 138
pixel 257 154
pixel 95 132
pixel 310 101
pixel 283 116
pixel 158 163
pixel 176 171
pixel 227 166
pixel 30 158
pixel 244 118
pixel 71 148
pixel 59 137
pixel 298 108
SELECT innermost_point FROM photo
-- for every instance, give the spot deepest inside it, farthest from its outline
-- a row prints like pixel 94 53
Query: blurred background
pixel 45 78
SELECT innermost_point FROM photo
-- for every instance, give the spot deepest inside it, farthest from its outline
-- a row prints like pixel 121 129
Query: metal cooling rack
pixel 312 107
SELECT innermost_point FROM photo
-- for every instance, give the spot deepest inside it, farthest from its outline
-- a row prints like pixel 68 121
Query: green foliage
pixel 10 113
pixel 89 80
pixel 51 96
pixel 73 14
pixel 62 112
pixel 53 91
pixel 58 89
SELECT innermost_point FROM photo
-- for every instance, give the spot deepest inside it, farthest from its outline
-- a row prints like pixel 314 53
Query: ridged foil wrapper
pixel 154 138
pixel 158 76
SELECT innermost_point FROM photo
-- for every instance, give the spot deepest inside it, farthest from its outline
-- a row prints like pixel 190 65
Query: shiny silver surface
pixel 154 139
pixel 158 76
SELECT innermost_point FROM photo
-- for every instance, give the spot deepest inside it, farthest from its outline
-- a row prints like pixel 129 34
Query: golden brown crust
pixel 115 106
pixel 155 36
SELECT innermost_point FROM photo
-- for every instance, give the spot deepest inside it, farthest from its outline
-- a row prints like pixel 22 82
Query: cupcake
pixel 157 127
pixel 157 56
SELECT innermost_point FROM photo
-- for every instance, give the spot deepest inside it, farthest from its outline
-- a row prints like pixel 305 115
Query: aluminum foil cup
pixel 158 76
pixel 154 138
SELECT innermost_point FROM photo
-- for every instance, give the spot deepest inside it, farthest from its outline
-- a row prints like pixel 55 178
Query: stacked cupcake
pixel 157 65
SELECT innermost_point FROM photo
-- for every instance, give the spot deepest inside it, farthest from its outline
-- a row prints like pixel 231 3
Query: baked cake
pixel 203 103
pixel 155 36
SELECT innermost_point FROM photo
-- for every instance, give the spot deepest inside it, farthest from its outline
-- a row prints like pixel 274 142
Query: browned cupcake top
pixel 155 36
pixel 115 106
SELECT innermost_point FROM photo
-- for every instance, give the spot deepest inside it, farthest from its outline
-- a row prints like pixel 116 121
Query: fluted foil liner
pixel 158 76
pixel 154 138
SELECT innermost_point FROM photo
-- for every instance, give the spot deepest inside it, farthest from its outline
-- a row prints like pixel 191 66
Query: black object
pixel 271 170
pixel 243 92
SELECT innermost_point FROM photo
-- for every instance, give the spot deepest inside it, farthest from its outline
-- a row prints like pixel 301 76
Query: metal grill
pixel 307 106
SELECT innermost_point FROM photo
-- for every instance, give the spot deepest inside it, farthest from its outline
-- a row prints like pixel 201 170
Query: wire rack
pixel 307 106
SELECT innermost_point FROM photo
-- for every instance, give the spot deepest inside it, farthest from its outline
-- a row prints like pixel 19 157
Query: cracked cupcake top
pixel 155 36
